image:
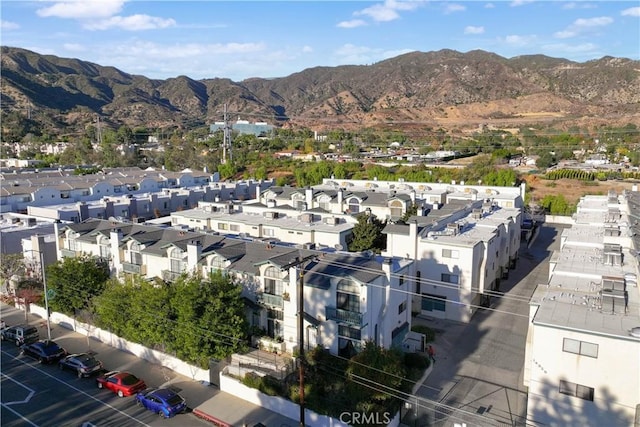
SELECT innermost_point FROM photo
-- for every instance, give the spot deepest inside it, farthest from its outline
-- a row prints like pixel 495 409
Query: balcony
pixel 128 267
pixel 170 276
pixel 67 253
pixel 271 300
pixel 339 315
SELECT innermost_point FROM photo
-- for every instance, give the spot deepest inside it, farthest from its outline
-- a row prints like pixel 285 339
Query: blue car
pixel 162 401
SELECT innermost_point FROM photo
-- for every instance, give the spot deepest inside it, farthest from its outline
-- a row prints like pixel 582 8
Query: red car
pixel 121 383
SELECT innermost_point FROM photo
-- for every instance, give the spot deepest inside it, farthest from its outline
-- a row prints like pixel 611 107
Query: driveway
pixel 477 377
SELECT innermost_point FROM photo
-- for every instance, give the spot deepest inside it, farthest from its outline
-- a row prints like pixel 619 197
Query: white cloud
pixel 583 25
pixel 453 7
pixel 82 9
pixel 578 5
pixel 470 29
pixel 352 54
pixel 489 6
pixel 352 24
pixel 632 11
pixel 516 40
pixel 564 47
pixel 388 11
pixel 74 47
pixel 516 3
pixel 131 23
pixel 7 25
pixel 307 49
pixel 151 50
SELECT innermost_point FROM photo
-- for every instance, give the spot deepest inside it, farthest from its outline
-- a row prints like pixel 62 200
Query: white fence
pixel 288 408
pixel 115 341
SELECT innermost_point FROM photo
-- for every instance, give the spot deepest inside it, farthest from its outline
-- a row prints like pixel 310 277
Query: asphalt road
pixel 478 375
pixel 32 394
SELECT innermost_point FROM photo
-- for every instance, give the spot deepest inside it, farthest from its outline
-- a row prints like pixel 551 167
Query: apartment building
pixel 348 298
pixel 582 361
pixel 314 229
pixel 31 190
pixel 462 251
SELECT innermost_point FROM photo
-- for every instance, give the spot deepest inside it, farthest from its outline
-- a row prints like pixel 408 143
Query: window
pixel 418 282
pixel 273 283
pixel 176 260
pixel 582 348
pixel 354 205
pixel 402 307
pixel 217 263
pixel 348 296
pixel 434 302
pixel 270 232
pixel 449 278
pixel 223 226
pixel 395 208
pixel 401 281
pixel 576 390
pixel 274 323
pixel 234 227
pixel 134 253
pixel 349 332
pixel 450 253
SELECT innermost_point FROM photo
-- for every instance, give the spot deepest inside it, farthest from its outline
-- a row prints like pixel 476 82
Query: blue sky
pixel 243 39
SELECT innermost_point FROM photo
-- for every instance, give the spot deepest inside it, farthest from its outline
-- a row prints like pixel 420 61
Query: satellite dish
pixel 338 247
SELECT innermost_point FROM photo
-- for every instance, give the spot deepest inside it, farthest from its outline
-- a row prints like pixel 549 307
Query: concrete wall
pixel 282 406
pixel 115 341
pixel 559 219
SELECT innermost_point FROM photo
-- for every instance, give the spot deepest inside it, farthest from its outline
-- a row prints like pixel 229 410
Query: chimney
pixel 387 264
pixel 258 190
pixel 340 200
pixel 115 238
pixel 308 193
pixel 194 251
pixel 83 211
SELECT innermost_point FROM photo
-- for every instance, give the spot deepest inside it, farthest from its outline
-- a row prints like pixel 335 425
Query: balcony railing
pixel 343 316
pixel 128 267
pixel 170 276
pixel 271 300
pixel 68 253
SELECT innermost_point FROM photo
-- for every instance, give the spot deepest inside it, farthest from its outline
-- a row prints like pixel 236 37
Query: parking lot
pixel 34 394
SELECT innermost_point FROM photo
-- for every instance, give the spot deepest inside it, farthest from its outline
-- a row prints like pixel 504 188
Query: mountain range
pixel 444 90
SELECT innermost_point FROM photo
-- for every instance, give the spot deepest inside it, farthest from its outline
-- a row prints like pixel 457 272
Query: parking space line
pixel 26 420
pixel 28 398
pixel 74 388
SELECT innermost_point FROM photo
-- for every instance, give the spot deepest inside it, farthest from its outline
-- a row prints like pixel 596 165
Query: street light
pixel 44 283
pixel 46 296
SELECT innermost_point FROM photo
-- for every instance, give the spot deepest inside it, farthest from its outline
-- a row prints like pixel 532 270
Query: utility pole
pixel 226 141
pixel 302 262
pixel 46 295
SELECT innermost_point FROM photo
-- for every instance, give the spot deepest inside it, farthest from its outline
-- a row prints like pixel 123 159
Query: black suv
pixel 44 351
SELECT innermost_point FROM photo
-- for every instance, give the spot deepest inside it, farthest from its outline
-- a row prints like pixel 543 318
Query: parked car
pixel 82 363
pixel 162 401
pixel 121 383
pixel 44 351
pixel 20 334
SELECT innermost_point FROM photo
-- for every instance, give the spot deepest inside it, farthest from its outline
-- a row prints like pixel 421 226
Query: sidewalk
pixel 228 410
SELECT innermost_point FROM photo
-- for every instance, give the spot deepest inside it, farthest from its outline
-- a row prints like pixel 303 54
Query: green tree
pixel 210 320
pixel 75 281
pixel 373 376
pixel 367 234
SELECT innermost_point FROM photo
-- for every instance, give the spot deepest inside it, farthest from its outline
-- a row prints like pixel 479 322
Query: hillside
pixel 444 89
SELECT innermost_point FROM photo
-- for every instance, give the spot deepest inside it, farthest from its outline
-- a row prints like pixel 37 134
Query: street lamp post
pixel 46 296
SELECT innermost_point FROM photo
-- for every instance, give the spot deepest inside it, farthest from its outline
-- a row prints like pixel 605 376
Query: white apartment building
pixel 348 299
pixel 282 224
pixel 582 361
pixel 461 253
pixel 30 190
